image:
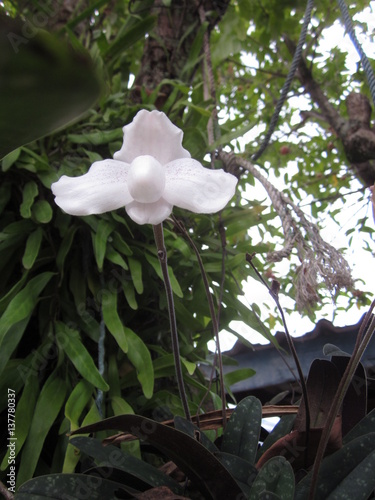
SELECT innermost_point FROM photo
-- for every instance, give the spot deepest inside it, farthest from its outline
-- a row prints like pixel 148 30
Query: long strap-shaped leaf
pixel 201 466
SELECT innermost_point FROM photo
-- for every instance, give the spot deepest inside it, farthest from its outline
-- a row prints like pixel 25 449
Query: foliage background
pixel 70 285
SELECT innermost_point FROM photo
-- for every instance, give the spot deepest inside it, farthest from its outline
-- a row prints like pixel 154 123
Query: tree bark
pixel 168 47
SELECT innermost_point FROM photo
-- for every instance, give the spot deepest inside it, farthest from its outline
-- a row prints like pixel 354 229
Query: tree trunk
pixel 168 47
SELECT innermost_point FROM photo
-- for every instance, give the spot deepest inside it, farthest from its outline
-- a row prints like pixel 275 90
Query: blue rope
pixel 288 81
pixel 364 59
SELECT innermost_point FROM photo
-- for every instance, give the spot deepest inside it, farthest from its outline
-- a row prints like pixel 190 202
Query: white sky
pixel 361 261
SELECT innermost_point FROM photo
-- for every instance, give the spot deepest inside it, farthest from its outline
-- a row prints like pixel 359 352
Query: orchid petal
pixel 149 213
pixel 102 189
pixel 152 133
pixel 146 179
pixel 191 186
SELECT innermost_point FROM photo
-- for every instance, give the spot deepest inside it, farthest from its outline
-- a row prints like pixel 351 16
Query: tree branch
pixel 357 137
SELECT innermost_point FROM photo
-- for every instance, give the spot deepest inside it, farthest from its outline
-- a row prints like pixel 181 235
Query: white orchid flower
pixel 150 174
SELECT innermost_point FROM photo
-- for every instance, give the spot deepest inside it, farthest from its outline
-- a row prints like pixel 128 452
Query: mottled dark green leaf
pixel 282 428
pixel 201 466
pixel 357 458
pixel 365 426
pixel 111 456
pixel 241 434
pixel 275 477
pixel 193 431
pixel 63 486
pixel 242 471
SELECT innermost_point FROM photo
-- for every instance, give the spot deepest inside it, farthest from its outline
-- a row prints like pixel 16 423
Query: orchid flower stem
pixel 273 291
pixel 215 323
pixel 162 254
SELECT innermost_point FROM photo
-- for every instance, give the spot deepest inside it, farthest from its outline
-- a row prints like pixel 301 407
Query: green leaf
pixel 201 466
pixel 86 13
pixel 45 86
pixel 243 472
pixel 354 460
pixel 120 406
pixel 29 193
pixel 10 159
pixel 230 136
pixel 277 477
pixel 70 343
pixel 195 53
pixel 65 246
pixel 77 401
pixel 125 40
pixel 129 293
pixel 332 350
pixel 174 283
pixel 140 357
pixel 359 484
pixel 11 339
pixel 96 138
pixel 115 257
pixel 284 426
pixel 112 319
pixel 19 309
pixel 136 274
pixel 24 415
pixel 365 426
pixel 235 376
pixel 47 408
pixel 32 248
pixel 120 244
pixel 64 486
pixel 103 230
pixel 4 301
pixel 113 457
pixel 193 431
pixel 241 434
pixel 189 365
pixel 42 211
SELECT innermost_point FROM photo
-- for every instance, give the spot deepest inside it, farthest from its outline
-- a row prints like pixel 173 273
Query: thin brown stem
pixel 214 317
pixel 274 294
pixel 162 254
